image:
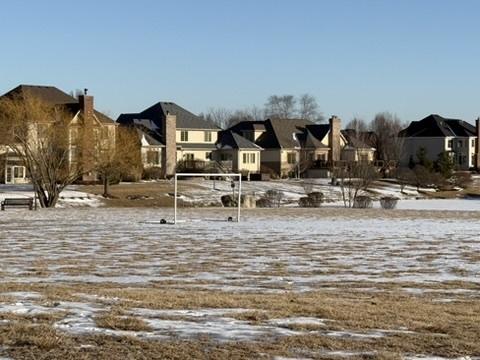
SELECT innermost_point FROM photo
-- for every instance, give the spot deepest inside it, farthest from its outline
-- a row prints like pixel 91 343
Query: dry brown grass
pixel 156 193
pixel 121 322
pixel 23 334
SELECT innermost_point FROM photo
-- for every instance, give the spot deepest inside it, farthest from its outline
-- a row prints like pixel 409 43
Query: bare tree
pixel 388 144
pixel 308 108
pixel 282 106
pixel 226 118
pixel 119 158
pixel 38 133
pixel 357 124
pixel 355 178
pixel 219 116
pixel 405 176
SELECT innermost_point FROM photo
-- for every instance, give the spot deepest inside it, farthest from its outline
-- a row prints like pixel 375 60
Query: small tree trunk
pixel 106 192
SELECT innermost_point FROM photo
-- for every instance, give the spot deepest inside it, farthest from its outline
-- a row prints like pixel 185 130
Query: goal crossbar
pixel 177 175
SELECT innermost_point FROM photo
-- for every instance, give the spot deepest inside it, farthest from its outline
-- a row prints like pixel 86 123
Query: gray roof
pixel 437 126
pixel 157 114
pixel 282 133
pixel 53 96
pixel 150 136
pixel 354 141
pixel 229 139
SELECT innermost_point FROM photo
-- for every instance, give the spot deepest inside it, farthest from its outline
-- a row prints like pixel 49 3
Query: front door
pixel 14 174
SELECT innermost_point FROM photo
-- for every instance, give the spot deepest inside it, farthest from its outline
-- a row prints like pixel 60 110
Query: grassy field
pixel 284 283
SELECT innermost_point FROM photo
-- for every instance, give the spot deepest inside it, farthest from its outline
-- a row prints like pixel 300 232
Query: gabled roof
pixel 157 113
pixel 437 126
pixel 254 125
pixel 48 94
pixel 355 140
pixel 53 96
pixel 282 133
pixel 232 140
pixel 151 137
pixel 313 135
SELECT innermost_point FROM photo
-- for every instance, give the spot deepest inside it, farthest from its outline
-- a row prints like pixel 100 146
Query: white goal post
pixel 239 176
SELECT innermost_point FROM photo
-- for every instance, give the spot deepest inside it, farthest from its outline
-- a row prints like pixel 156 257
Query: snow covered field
pixel 79 264
pixel 270 250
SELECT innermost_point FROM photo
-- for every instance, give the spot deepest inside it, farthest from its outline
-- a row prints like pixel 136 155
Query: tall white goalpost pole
pixel 239 197
pixel 175 202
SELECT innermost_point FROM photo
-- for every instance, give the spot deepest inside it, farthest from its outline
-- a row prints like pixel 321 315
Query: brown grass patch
pixel 119 322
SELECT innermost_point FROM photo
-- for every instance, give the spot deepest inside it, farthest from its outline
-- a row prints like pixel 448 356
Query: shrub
pixel 152 173
pixel 462 179
pixel 304 202
pixel 388 202
pixel 362 202
pixel 264 203
pixel 274 196
pixel 228 201
pixel 314 199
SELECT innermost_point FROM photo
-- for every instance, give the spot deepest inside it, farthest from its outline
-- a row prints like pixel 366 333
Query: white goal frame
pixel 239 176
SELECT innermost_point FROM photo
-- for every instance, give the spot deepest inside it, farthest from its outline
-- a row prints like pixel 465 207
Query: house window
pixel 249 158
pixel 153 157
pixel 188 157
pixel 291 158
pixel 18 172
pixel 208 155
pixel 474 143
pixel 207 136
pixel 450 144
pixel 183 135
pixel 460 144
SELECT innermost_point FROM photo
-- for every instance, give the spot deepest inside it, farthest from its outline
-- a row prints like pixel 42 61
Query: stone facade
pixel 169 156
pixel 334 139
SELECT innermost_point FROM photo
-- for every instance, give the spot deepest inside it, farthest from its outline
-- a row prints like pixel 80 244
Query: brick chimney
pixel 477 147
pixel 88 146
pixel 334 139
pixel 169 153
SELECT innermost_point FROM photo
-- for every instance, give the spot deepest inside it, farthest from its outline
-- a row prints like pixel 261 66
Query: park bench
pixel 17 202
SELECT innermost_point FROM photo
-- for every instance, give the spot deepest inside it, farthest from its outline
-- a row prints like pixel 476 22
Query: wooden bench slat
pixel 27 202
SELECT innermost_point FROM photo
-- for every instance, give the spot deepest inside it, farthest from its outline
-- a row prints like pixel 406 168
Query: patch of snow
pixel 298 321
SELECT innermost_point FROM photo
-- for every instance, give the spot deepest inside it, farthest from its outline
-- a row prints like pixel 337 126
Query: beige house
pixel 98 132
pixel 292 147
pixel 180 138
pixel 435 134
pixel 238 154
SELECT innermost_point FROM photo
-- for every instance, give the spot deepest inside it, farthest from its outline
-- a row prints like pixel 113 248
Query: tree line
pixel 288 106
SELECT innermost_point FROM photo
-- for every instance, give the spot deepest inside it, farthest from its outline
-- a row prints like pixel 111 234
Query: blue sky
pixel 409 57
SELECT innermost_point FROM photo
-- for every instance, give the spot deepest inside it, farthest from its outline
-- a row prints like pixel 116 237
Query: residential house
pixel 94 124
pixel 436 134
pixel 181 137
pixel 237 153
pixel 298 146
